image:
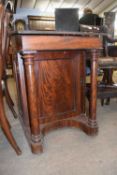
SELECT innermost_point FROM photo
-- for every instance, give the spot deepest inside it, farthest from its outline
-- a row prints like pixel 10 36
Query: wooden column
pixel 36 143
pixel 93 128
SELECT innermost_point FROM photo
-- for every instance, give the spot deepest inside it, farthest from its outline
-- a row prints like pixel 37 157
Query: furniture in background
pixel 66 19
pixel 20 25
pixel 50 75
pixel 107 89
pixel 108 61
pixel 43 23
pixel 90 23
pixel 109 21
pixel 91 19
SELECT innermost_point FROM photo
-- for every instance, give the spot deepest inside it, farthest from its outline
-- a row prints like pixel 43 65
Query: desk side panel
pixel 58 85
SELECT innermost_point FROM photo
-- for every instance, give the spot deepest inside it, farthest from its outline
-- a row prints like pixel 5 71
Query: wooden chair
pixel 107 89
pixel 3 120
pixel 5 18
pixel 107 62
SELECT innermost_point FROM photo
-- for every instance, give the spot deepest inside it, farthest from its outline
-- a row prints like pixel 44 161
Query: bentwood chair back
pixel 5 41
pixel 3 119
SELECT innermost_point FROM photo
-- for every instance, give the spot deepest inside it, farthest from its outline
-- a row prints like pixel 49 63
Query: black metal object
pixel 67 19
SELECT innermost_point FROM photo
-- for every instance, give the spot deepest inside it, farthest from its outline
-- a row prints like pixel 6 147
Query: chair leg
pixel 107 101
pixel 107 80
pixel 9 136
pixel 6 127
pixel 9 100
pixel 8 123
pixel 102 102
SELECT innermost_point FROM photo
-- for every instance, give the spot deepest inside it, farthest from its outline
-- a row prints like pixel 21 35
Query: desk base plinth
pixel 82 122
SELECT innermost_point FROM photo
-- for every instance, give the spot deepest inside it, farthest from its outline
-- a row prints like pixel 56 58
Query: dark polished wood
pixel 50 74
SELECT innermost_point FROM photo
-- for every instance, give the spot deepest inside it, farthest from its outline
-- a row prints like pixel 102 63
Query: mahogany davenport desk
pixel 50 76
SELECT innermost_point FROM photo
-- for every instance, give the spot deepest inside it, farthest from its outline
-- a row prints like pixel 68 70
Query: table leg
pixel 93 128
pixel 31 82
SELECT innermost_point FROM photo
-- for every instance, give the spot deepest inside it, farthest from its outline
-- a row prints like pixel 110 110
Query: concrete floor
pixel 67 151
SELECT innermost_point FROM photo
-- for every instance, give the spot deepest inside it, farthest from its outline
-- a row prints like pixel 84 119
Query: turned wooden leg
pixel 93 128
pixel 36 140
pixel 5 125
